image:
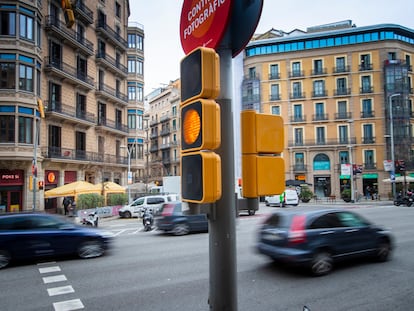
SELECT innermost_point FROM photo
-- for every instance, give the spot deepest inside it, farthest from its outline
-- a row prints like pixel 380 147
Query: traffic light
pixel 40 184
pixel 41 108
pixel 263 170
pixel 200 127
pixel 68 13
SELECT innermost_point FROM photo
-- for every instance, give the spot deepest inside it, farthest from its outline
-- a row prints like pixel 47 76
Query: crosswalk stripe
pixel 68 305
pixel 54 279
pixel 54 291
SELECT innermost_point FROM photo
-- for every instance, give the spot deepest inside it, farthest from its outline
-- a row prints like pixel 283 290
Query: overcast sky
pixel 161 20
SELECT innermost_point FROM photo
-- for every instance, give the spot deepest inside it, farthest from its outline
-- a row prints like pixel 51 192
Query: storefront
pixel 11 190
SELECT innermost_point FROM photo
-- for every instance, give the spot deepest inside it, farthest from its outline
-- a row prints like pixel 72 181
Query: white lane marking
pixel 68 305
pixel 46 263
pixel 49 269
pixel 60 290
pixel 119 232
pixel 54 279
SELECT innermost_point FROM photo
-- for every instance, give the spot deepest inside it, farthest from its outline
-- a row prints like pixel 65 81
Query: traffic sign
pixel 203 23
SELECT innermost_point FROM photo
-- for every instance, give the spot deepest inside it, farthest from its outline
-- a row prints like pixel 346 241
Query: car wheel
pixel 90 249
pixel 383 251
pixel 322 263
pixel 181 229
pixel 4 259
pixel 127 214
pixel 252 212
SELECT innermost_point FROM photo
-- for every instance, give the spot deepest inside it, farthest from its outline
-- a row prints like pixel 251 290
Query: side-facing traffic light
pixel 68 13
pixel 263 170
pixel 41 108
pixel 200 127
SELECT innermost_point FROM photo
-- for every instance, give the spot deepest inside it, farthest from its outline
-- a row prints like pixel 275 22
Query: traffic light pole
pixel 222 232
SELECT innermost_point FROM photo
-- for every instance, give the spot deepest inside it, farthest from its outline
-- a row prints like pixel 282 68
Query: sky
pixel 161 22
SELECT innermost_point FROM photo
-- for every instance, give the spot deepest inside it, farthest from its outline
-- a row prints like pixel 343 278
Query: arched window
pixel 321 162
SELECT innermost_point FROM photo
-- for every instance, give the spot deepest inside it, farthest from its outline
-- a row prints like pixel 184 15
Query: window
pixel 26 130
pixel 135 41
pixel 118 119
pixel 82 68
pixel 317 67
pixel 132 92
pixel 320 111
pixel 366 84
pixel 55 52
pixel 319 88
pixel 369 159
pixel 297 90
pixel 274 92
pixel 296 69
pixel 252 72
pixel 80 145
pixel 326 221
pixel 320 136
pixel 7 129
pixel 365 62
pixel 101 114
pixel 8 23
pixel 140 92
pixel 298 137
pixel 367 108
pixel 342 109
pixel 7 75
pixel 26 76
pixel 54 144
pixel 343 134
pixel 368 131
pixel 132 65
pixel 274 72
pixel 340 64
pixel 55 97
pixel 276 110
pixel 299 160
pixel 132 120
pixel 26 27
pixel 341 86
pixel 297 113
pixel 81 106
pixel 351 220
pixel 117 9
pixel 343 157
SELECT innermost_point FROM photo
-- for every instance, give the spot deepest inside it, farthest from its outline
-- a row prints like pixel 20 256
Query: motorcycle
pixel 147 220
pixel 91 219
pixel 406 200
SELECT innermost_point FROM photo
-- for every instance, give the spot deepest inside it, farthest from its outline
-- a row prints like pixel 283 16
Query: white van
pixel 291 198
pixel 152 202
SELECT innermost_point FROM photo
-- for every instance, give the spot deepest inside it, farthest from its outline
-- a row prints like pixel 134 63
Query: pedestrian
pixel 66 203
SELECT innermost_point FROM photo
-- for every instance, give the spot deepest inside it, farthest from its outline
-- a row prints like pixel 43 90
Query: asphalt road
pixel 150 271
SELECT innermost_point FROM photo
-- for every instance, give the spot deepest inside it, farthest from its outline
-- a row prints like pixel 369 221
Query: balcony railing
pixel 324 142
pixel 320 117
pixel 65 154
pixel 319 71
pixel 274 76
pixel 299 168
pixel 366 90
pixel 112 125
pixel 111 94
pixel 73 38
pixel 365 67
pixel 298 119
pixel 165 131
pixel 296 74
pixel 69 72
pixel 341 69
pixel 83 12
pixel 274 97
pixel 297 95
pixel 368 140
pixel 68 111
pixel 342 91
pixel 343 115
pixel 370 166
pixel 367 114
pixel 111 63
pixel 104 30
pixel 322 93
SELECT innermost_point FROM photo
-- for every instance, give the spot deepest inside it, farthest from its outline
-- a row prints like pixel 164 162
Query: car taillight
pixel 297 233
pixel 167 210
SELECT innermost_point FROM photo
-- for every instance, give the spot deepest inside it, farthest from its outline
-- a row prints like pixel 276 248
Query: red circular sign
pixel 203 23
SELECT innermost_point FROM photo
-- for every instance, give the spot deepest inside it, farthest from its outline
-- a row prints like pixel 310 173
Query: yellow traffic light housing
pixel 200 125
pixel 201 177
pixel 200 75
pixel 68 13
pixel 263 170
pixel 41 108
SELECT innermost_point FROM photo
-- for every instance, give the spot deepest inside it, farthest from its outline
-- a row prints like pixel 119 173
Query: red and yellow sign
pixel 203 23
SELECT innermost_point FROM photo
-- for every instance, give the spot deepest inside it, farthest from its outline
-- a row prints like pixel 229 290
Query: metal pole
pixel 129 173
pixel 392 141
pixel 37 129
pixel 222 232
pixel 352 174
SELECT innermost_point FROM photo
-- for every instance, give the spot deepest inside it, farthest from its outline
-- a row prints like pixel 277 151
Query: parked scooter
pixel 404 200
pixel 147 220
pixel 91 220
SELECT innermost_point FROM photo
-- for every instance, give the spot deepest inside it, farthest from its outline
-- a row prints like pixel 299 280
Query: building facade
pixel 81 76
pixel 164 132
pixel 339 89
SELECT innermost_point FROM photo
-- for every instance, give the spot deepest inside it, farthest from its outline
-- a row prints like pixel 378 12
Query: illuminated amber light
pixel 191 126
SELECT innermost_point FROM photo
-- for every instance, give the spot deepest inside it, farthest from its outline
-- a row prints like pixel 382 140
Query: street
pixel 151 271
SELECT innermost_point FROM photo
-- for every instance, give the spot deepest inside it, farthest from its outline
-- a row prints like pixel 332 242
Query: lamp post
pixel 129 177
pixel 146 119
pixel 392 142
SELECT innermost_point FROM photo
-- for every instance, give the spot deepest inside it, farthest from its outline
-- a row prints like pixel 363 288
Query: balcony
pixel 296 74
pixel 165 132
pixel 68 35
pixel 108 126
pixel 341 69
pixel 297 95
pixel 165 117
pixel 83 13
pixel 370 166
pixel 111 64
pixel 342 92
pixel 103 30
pixel 165 146
pixel 322 93
pixel 110 94
pixel 365 67
pixel 367 114
pixel 274 76
pixel 368 140
pixel 366 90
pixel 320 117
pixel 68 73
pixel 297 119
pixel 343 115
pixel 299 168
pixel 274 97
pixel 62 113
pixel 154 148
pixel 322 142
pixel 319 72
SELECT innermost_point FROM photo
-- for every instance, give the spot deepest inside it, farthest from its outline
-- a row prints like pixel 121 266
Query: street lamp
pixel 129 178
pixel 392 142
pixel 146 119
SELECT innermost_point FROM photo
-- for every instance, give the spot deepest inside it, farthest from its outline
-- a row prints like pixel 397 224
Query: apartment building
pixel 82 77
pixel 339 89
pixel 164 132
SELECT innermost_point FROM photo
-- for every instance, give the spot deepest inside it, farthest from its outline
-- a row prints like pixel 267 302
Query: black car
pixel 175 218
pixel 25 236
pixel 316 239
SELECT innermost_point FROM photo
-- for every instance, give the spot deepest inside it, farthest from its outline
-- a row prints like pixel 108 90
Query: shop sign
pixel 370 176
pixel 51 177
pixel 9 177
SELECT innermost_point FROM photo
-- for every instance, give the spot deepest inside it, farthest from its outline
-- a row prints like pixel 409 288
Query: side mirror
pixel 305 308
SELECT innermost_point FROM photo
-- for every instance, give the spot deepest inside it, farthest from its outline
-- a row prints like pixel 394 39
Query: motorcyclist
pixel 147 217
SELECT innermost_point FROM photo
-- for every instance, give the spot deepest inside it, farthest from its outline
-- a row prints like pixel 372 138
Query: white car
pixel 153 203
pixel 291 198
